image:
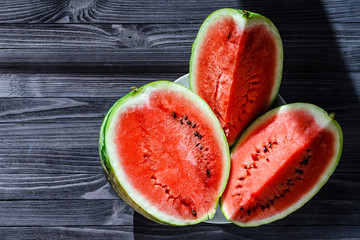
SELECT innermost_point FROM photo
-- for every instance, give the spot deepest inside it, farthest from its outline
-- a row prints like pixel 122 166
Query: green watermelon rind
pixel 321 117
pixel 243 19
pixel 112 174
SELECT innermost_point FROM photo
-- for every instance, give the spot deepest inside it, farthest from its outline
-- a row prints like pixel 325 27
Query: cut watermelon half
pixel 165 154
pixel 280 162
pixel 236 67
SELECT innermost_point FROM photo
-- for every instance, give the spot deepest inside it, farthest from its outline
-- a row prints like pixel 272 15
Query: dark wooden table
pixel 64 63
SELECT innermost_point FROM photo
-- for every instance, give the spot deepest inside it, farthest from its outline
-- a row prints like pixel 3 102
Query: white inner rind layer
pixel 141 98
pixel 324 121
pixel 242 22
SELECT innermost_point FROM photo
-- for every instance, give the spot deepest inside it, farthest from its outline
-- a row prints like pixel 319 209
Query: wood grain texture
pixel 65 213
pixel 64 63
pixel 94 186
pixel 100 85
pixel 145 36
pixel 109 11
pixel 299 59
pixel 211 232
pixel 161 47
pixel 116 212
pixel 295 86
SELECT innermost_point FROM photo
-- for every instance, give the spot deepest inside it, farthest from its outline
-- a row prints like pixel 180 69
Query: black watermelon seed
pixel 229 35
pixel 181 122
pixel 305 161
pixel 194 125
pixel 201 148
pixel 289 180
pixel 281 195
pixel 197 144
pixel 200 136
pixel 185 117
pixel 270 144
pixel 265 149
pixel 241 179
pixel 267 205
pixel 196 134
pixel 246 167
pixel 248 211
pixel 258 151
pixel 167 191
pixel 207 171
pixel 262 207
pixel 299 171
pixel 241 208
pixel 287 190
pixel 277 197
pixel 193 212
pixel 188 123
pixel 174 115
pixel 308 150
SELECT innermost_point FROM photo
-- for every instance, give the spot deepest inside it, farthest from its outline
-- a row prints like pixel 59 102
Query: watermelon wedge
pixel 165 154
pixel 236 67
pixel 280 162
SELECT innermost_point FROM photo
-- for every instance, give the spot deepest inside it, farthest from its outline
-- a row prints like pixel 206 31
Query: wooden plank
pixel 40 159
pixel 73 186
pixel 65 213
pixel 116 212
pixel 202 231
pixel 295 86
pixel 72 232
pixel 102 85
pixel 61 186
pixel 162 47
pixel 22 11
pixel 145 36
pixel 297 59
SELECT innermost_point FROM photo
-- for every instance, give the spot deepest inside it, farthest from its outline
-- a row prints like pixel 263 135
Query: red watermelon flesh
pixel 161 166
pixel 280 163
pixel 235 68
pixel 172 155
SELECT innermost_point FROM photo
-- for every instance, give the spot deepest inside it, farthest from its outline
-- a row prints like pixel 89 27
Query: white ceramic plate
pixel 219 217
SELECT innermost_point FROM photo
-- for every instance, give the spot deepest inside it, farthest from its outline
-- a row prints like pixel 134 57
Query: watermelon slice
pixel 236 67
pixel 165 154
pixel 280 162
